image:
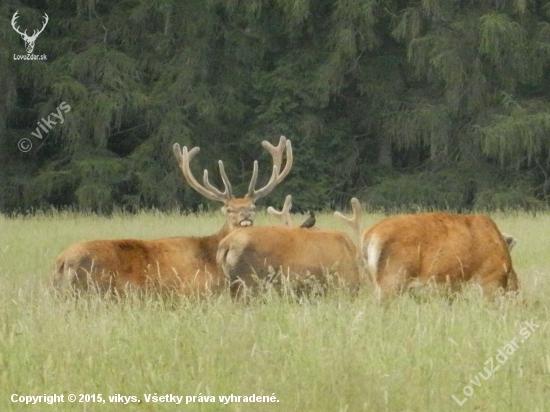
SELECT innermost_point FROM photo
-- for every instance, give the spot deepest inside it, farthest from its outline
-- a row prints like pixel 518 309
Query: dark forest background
pixel 440 104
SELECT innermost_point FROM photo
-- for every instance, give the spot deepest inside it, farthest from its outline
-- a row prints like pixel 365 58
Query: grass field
pixel 338 353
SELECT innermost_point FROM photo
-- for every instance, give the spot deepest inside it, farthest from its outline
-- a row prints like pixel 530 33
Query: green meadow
pixel 332 353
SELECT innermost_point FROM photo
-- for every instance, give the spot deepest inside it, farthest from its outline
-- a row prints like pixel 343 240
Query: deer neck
pixel 224 231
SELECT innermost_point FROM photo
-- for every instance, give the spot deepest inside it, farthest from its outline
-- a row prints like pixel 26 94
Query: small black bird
pixel 310 221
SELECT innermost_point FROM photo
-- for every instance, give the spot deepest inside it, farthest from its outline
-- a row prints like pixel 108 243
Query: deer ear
pixel 224 209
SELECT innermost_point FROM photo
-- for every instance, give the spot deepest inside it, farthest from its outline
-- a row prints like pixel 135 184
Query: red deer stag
pixel 285 254
pixel 185 265
pixel 438 248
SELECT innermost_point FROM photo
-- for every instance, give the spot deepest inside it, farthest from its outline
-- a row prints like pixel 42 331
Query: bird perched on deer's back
pixel 310 221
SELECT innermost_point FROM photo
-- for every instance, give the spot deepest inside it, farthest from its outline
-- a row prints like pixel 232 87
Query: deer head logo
pixel 29 40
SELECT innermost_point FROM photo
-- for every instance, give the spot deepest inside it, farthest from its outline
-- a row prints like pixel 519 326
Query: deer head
pixel 238 211
pixel 29 40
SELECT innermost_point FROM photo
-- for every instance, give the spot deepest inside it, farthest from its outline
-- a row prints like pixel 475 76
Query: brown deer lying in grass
pixel 438 248
pixel 185 265
pixel 290 255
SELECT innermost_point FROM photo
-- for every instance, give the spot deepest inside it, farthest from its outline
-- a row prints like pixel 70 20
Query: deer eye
pixel 229 210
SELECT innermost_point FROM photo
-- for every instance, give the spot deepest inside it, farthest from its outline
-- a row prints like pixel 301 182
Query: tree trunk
pixel 384 152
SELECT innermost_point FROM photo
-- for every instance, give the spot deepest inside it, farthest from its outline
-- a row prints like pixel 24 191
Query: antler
pixel 35 32
pixel 355 220
pixel 13 23
pixel 46 20
pixel 210 192
pixel 276 177
pixel 284 214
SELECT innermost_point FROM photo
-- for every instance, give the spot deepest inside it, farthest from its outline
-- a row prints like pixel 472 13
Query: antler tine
pixel 276 151
pixel 228 193
pixel 276 177
pixel 179 153
pixel 14 22
pixel 355 220
pixel 46 19
pixel 277 154
pixel 36 32
pixel 284 214
pixel 184 158
pixel 253 179
pixel 252 193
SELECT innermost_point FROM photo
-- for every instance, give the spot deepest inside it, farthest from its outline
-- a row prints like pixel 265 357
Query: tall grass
pixel 337 353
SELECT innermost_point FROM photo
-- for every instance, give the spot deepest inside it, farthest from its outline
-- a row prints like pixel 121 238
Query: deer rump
pixel 278 254
pixel 180 264
pixel 446 249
